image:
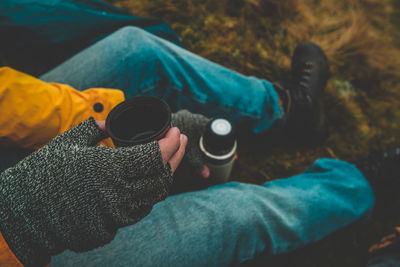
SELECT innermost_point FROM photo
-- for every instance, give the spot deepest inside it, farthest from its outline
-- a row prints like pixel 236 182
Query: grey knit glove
pixel 192 125
pixel 73 195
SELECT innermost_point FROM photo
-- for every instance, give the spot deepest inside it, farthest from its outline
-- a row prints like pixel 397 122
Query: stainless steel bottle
pixel 218 145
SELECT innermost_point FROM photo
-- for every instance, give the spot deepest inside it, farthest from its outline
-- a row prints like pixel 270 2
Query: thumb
pixel 170 144
pixel 102 125
pixel 87 133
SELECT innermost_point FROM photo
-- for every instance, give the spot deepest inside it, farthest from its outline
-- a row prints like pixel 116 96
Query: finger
pixel 169 144
pixel 205 172
pixel 177 157
pixel 102 125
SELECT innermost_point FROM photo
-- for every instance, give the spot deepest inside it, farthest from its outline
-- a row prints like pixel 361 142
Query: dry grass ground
pixel 255 37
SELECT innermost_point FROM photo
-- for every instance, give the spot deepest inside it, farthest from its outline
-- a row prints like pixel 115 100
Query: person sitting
pixel 111 204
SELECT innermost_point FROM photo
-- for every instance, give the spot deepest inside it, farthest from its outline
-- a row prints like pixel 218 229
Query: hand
pixel 72 194
pixel 193 126
pixel 172 146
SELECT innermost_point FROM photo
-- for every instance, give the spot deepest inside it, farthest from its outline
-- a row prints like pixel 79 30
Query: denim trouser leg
pixel 140 63
pixel 234 222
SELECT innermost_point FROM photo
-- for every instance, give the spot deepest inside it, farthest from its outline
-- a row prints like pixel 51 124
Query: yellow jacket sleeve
pixel 32 112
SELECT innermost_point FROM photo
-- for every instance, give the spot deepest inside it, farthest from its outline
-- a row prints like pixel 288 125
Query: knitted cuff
pixel 87 133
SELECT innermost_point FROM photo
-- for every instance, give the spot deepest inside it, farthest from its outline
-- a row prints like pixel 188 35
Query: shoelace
pixel 305 77
pixel 302 92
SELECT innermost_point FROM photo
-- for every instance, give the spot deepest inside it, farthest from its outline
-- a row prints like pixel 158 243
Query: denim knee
pixel 238 203
pixel 133 41
pixel 129 33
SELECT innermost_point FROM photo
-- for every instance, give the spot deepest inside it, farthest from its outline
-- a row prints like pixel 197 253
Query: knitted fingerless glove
pixel 74 195
pixel 192 125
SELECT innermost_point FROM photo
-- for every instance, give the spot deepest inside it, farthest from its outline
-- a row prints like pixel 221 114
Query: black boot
pixel 301 96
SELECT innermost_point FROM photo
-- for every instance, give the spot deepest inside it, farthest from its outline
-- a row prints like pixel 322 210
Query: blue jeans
pixel 140 63
pixel 234 222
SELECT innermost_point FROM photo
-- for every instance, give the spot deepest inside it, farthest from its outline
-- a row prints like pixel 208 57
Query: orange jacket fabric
pixel 33 112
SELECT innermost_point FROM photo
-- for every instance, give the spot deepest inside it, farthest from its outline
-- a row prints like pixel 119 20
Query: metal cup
pixel 138 120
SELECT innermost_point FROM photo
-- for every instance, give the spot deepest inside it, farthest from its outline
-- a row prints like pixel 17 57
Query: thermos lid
pixel 219 136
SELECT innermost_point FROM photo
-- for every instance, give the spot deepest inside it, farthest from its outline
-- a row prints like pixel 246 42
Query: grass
pixel 362 41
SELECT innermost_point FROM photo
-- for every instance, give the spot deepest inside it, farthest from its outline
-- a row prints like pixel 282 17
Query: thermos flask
pixel 218 145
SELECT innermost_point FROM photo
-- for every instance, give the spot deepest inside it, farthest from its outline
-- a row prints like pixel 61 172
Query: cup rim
pixel 128 103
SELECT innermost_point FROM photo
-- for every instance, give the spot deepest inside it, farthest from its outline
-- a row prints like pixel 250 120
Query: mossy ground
pixel 362 41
